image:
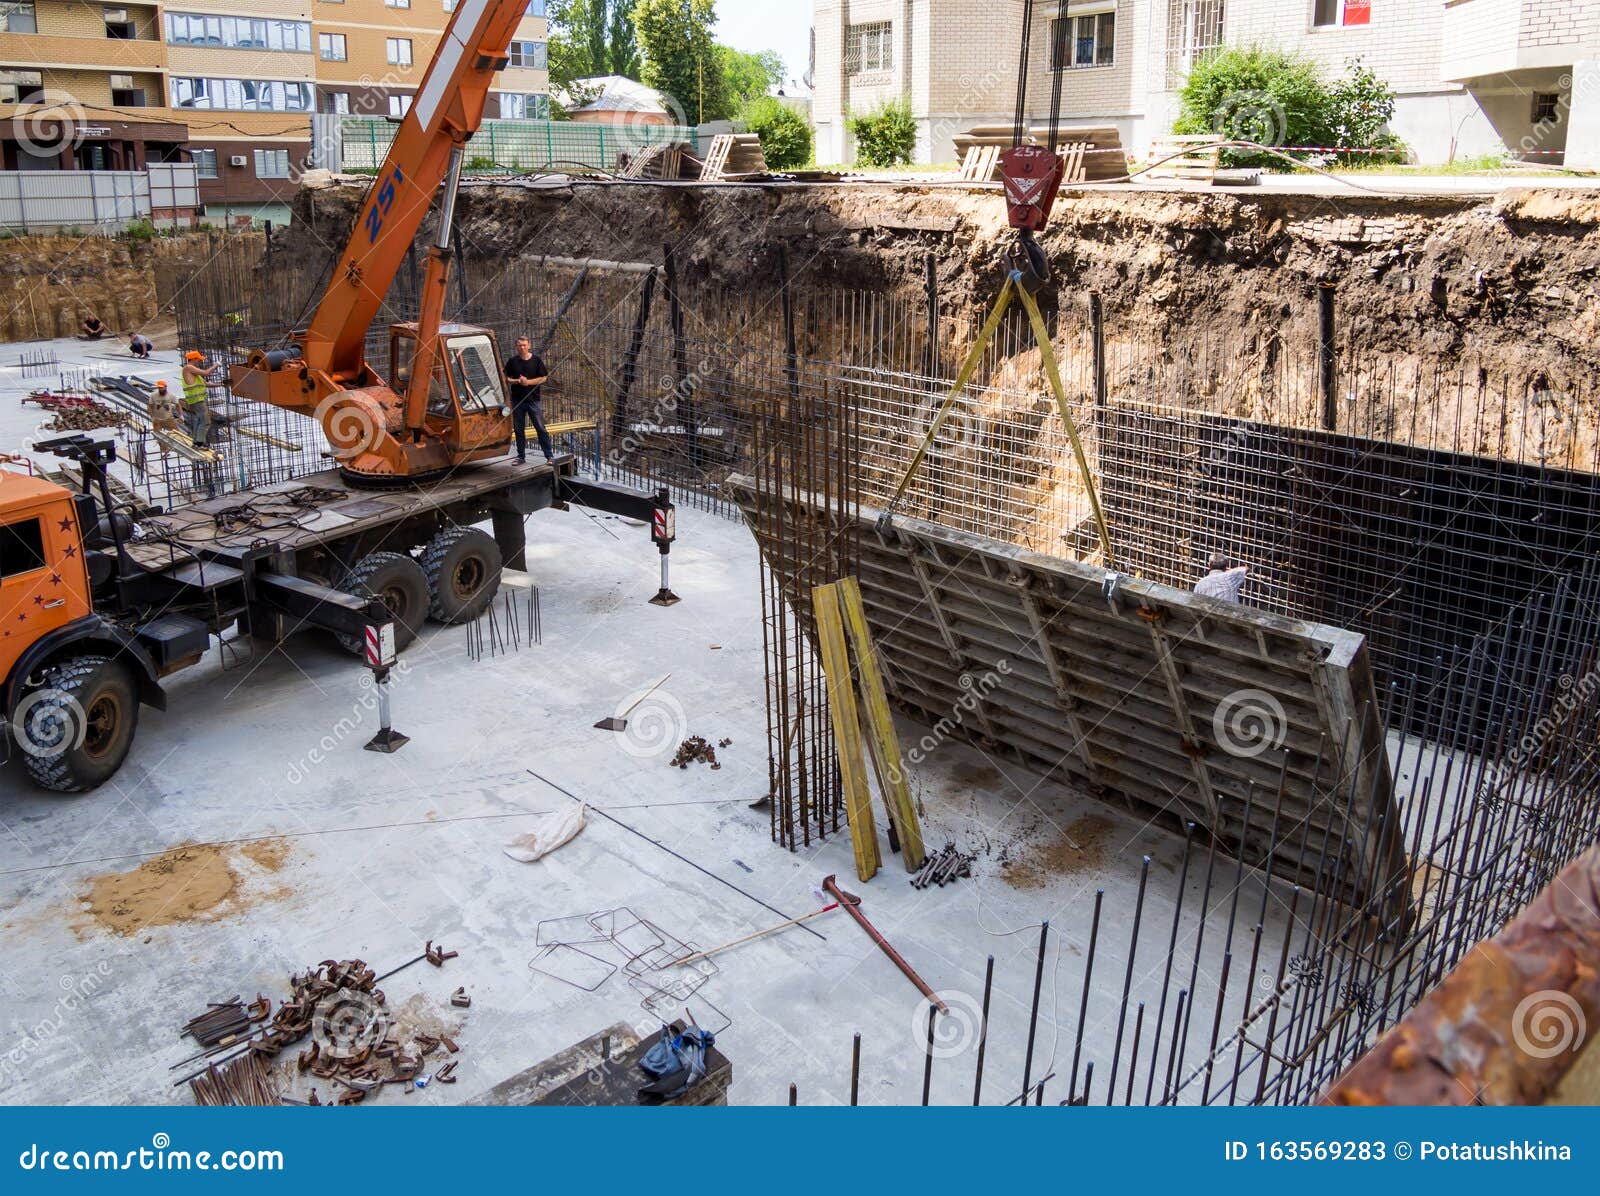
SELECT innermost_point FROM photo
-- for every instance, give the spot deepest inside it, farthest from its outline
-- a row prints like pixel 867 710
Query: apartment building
pixel 1471 76
pixel 230 84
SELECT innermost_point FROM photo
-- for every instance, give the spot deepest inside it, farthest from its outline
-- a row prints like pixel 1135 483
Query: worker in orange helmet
pixel 196 414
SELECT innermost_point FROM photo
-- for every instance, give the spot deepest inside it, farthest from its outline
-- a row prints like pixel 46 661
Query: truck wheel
pixel 462 565
pixel 400 583
pixel 75 727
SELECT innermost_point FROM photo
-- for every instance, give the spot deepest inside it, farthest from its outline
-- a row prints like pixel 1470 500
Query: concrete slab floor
pixel 383 852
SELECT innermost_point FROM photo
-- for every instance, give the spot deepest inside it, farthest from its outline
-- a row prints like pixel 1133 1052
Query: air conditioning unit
pixel 237 160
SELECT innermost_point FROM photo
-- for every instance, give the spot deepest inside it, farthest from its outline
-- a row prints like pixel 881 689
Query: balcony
pixel 1492 37
pixel 44 51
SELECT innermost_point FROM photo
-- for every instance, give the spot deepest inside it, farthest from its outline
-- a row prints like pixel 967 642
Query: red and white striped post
pixel 380 659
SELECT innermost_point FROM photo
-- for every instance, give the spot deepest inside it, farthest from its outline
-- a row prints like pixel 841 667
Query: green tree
pixel 785 134
pixel 623 47
pixel 749 76
pixel 570 54
pixel 885 136
pixel 680 57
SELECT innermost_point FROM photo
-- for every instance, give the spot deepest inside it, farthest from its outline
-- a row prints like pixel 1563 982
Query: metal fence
pixel 502 146
pixel 105 202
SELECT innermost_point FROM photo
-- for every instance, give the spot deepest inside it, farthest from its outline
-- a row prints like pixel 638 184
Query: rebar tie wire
pixel 1014 288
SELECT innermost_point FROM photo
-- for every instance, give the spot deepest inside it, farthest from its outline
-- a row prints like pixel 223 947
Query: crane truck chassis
pixel 100 603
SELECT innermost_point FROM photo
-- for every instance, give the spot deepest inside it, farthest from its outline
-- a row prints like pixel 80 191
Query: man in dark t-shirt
pixel 526 374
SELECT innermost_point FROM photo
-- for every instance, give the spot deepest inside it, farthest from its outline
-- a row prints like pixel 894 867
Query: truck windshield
pixel 478 383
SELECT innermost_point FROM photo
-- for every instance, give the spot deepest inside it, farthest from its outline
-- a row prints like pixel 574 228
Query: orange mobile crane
pixel 445 402
pixel 94 618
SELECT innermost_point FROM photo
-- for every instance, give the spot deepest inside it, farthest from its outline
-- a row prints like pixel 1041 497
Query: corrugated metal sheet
pixel 97 201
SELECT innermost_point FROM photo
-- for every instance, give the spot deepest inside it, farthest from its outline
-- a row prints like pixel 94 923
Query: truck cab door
pixel 43 582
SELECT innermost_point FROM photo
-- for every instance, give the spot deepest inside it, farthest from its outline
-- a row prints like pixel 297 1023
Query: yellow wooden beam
pixel 881 735
pixel 846 720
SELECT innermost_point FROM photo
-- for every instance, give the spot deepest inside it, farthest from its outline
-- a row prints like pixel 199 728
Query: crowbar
pixel 852 907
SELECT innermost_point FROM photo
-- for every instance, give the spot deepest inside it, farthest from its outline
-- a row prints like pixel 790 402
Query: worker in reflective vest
pixel 196 414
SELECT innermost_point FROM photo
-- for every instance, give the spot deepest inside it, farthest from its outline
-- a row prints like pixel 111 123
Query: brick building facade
pixel 1471 76
pixel 228 83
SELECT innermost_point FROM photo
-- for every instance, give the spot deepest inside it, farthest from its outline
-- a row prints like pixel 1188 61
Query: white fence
pixel 105 202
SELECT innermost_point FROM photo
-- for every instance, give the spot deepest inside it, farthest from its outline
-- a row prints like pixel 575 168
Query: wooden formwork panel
pixel 1262 730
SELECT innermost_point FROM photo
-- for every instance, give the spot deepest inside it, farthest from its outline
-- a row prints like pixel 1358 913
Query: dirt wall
pixel 48 284
pixel 1437 280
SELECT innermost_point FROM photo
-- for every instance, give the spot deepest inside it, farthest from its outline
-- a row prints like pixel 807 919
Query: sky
pixel 781 25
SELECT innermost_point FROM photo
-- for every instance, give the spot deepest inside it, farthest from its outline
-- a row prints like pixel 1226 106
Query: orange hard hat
pixel 161 385
pixel 194 355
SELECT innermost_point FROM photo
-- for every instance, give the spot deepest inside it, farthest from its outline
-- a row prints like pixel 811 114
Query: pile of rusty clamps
pixel 341 1006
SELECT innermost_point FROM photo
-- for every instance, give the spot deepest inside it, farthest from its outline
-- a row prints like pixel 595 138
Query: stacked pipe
pixel 943 866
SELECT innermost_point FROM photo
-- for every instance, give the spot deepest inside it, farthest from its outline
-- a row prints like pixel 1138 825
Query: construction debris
pixel 74 411
pixel 733 157
pixel 946 865
pixel 247 1080
pixel 696 750
pixel 355 1041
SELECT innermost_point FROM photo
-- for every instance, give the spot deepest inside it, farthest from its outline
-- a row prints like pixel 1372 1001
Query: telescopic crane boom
pixel 444 404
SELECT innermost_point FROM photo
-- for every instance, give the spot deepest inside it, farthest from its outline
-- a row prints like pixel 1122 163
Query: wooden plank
pixel 846 729
pixel 883 740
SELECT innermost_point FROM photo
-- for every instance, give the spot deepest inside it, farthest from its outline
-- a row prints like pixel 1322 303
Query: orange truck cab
pixel 71 680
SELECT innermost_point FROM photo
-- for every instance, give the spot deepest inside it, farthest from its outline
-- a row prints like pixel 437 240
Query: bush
pixel 1272 98
pixel 886 136
pixel 785 134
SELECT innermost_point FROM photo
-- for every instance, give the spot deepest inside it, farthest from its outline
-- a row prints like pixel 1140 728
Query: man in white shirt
pixel 1224 581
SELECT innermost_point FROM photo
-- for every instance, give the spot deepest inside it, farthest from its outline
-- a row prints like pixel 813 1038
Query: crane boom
pixel 377 434
pixel 447 110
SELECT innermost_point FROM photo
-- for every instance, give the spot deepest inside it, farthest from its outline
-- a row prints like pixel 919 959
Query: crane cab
pixel 467 400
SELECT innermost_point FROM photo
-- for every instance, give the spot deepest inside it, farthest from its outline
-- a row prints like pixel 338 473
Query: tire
pixel 399 582
pixel 80 720
pixel 462 565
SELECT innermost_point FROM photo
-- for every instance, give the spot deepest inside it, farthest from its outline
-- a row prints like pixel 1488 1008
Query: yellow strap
pixel 968 368
pixel 1047 356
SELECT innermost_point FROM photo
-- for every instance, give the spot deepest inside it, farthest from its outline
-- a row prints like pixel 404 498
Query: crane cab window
pixel 479 386
pixel 21 547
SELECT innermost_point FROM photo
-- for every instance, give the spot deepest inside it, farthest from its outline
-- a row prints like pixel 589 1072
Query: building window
pixel 397 3
pixel 18 18
pixel 1083 41
pixel 533 55
pixel 241 95
pixel 331 47
pixel 1328 13
pixel 519 106
pixel 869 48
pixel 238 33
pixel 399 105
pixel 21 87
pixel 337 102
pixel 399 50
pixel 535 9
pixel 449 5
pixel 205 162
pixel 272 164
pixel 1546 107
